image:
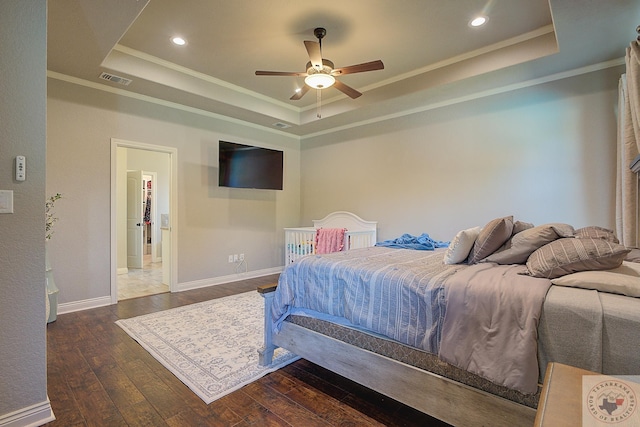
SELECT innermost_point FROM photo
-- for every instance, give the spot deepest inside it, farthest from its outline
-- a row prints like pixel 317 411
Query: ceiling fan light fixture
pixel 320 80
pixel 321 72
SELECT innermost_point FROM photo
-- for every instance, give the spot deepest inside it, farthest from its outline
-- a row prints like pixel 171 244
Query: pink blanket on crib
pixel 329 240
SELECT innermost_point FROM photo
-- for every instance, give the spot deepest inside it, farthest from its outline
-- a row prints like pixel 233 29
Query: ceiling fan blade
pixel 367 66
pixel 315 55
pixel 281 73
pixel 299 94
pixel 348 90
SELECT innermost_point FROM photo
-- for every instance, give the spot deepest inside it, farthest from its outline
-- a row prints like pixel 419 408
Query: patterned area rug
pixel 210 346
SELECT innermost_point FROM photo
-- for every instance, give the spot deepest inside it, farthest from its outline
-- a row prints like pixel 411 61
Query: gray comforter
pixel 471 317
pixel 592 330
pixel 490 327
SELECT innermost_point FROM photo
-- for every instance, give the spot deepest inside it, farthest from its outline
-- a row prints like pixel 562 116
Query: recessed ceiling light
pixel 478 21
pixel 178 40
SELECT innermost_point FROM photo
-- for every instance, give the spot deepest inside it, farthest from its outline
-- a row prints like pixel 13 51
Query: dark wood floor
pixel 99 376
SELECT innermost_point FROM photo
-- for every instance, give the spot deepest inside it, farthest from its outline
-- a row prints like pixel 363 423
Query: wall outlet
pixel 241 257
pixel 235 258
pixel 230 258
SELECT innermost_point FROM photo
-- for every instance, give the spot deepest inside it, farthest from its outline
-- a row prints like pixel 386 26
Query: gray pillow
pixel 519 226
pixel 633 255
pixel 492 236
pixel 521 245
pixel 595 232
pixel 624 280
pixel 570 255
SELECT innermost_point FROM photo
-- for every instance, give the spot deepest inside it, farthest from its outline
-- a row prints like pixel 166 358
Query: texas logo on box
pixel 610 401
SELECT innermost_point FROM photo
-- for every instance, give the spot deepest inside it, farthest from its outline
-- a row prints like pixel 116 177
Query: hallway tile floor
pixel 142 282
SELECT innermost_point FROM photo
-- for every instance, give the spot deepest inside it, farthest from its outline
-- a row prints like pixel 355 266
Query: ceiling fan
pixel 321 73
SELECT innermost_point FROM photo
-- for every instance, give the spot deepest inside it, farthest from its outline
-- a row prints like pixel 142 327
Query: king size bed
pixel 463 333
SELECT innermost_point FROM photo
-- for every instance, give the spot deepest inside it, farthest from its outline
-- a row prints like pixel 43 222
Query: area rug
pixel 210 346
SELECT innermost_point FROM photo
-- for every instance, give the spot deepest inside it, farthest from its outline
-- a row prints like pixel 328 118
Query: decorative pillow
pixel 520 226
pixel 624 280
pixel 492 236
pixel 570 255
pixel 521 245
pixel 461 245
pixel 595 232
pixel 563 230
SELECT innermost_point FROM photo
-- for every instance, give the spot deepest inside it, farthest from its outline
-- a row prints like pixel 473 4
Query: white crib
pixel 301 241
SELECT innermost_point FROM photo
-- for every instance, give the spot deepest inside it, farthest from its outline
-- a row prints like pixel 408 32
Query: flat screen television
pixel 246 166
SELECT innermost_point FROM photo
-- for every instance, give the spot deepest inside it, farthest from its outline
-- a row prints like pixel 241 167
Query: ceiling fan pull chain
pixel 319 103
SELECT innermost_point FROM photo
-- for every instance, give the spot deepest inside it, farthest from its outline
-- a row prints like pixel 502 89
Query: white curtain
pixel 628 147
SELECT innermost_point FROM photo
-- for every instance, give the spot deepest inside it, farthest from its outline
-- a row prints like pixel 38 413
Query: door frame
pixel 173 209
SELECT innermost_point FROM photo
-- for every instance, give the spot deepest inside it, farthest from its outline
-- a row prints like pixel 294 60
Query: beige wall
pixel 212 223
pixel 543 154
pixel 23 383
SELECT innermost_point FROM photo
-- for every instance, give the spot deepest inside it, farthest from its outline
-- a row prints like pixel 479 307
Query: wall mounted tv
pixel 246 166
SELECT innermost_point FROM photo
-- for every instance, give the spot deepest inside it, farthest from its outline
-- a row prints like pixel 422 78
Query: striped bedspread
pixel 398 293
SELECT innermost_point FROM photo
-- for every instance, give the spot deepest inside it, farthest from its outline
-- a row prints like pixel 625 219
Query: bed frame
pixel 447 400
pixel 301 241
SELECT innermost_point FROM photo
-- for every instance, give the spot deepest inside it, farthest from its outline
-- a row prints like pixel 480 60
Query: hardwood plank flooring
pixel 99 376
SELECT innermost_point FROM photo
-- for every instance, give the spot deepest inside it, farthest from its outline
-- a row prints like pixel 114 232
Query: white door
pixel 135 212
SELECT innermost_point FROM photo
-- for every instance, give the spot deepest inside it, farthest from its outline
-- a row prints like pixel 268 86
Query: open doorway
pixel 146 191
pixel 143 214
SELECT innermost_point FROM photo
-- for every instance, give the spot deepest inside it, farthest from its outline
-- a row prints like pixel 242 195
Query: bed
pixel 452 354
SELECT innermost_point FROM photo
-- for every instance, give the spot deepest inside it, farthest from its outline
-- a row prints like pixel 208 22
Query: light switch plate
pixel 6 201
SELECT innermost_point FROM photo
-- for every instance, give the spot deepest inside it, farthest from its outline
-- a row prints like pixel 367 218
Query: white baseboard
pixel 122 270
pixel 70 307
pixel 31 416
pixel 197 284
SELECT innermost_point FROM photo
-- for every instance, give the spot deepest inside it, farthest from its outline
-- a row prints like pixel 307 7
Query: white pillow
pixel 461 245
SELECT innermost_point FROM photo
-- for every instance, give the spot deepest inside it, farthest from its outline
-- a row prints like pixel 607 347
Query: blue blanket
pixel 421 243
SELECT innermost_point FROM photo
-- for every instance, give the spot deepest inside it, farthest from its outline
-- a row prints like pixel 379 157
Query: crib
pixel 300 241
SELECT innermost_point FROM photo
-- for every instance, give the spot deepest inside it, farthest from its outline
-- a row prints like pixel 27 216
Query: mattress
pixel 411 356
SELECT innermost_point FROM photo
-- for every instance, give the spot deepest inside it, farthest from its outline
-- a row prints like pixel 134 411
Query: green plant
pixel 49 218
